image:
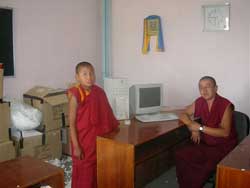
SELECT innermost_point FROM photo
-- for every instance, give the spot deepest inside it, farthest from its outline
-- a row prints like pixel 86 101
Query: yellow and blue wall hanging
pixel 152 27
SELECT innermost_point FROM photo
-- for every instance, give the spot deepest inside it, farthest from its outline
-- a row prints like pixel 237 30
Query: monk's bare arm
pixel 185 117
pixel 72 120
pixel 225 126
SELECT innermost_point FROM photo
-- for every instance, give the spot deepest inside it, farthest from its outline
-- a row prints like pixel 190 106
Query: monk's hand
pixel 194 126
pixel 78 153
pixel 195 137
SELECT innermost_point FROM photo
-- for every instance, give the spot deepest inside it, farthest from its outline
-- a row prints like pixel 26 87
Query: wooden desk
pixel 26 172
pixel 137 153
pixel 234 170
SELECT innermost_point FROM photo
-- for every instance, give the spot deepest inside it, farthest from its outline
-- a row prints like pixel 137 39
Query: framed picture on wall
pixel 216 17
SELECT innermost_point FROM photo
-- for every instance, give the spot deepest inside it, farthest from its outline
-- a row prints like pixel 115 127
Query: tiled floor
pixel 168 179
pixel 66 164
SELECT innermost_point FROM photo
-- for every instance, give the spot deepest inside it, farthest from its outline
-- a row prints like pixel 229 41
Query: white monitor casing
pixel 134 99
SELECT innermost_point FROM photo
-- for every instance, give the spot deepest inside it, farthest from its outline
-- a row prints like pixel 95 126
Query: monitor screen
pixel 145 98
pixel 149 97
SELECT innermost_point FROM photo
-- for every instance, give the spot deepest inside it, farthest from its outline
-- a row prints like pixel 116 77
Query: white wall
pixel 189 52
pixel 50 37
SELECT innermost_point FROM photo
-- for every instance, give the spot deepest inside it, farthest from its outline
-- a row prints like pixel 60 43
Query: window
pixel 6 41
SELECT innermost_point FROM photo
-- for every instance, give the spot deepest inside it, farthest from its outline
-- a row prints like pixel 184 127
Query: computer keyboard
pixel 156 117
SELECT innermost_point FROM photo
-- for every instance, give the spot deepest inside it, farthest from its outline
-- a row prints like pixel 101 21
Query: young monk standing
pixel 90 115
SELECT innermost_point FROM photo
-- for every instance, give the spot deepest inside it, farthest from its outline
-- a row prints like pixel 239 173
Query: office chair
pixel 242 124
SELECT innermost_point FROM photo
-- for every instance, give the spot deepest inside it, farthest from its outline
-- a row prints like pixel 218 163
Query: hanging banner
pixel 152 27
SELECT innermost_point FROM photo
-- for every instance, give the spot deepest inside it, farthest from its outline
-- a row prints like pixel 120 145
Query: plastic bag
pixel 24 117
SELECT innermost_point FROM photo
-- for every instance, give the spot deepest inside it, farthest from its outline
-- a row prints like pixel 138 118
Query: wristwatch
pixel 201 128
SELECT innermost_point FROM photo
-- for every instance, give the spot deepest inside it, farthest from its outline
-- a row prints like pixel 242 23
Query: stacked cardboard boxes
pixel 4 121
pixel 54 106
pixel 7 149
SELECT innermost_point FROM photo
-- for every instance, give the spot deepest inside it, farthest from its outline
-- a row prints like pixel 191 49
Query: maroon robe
pixel 196 162
pixel 94 117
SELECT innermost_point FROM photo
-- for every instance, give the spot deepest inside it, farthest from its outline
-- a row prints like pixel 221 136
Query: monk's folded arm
pixel 185 117
pixel 225 126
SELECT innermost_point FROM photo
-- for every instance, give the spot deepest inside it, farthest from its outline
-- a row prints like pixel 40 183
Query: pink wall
pixel 190 53
pixel 50 37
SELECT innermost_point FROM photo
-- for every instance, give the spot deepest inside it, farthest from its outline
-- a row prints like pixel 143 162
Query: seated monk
pixel 213 137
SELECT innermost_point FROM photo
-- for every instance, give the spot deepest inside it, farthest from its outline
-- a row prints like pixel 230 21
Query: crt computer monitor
pixel 145 98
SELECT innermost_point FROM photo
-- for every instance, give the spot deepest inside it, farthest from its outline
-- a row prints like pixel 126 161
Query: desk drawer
pixel 160 144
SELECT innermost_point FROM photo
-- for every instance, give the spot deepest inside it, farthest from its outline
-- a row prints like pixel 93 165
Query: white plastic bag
pixel 24 117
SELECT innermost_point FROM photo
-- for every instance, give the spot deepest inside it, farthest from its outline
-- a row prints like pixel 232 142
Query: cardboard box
pixel 4 121
pixel 53 104
pixel 53 139
pixel 32 144
pixel 33 147
pixel 27 139
pixel 56 150
pixel 7 151
pixel 66 145
pixel 1 80
pixel 58 123
pixel 25 151
pixel 42 152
